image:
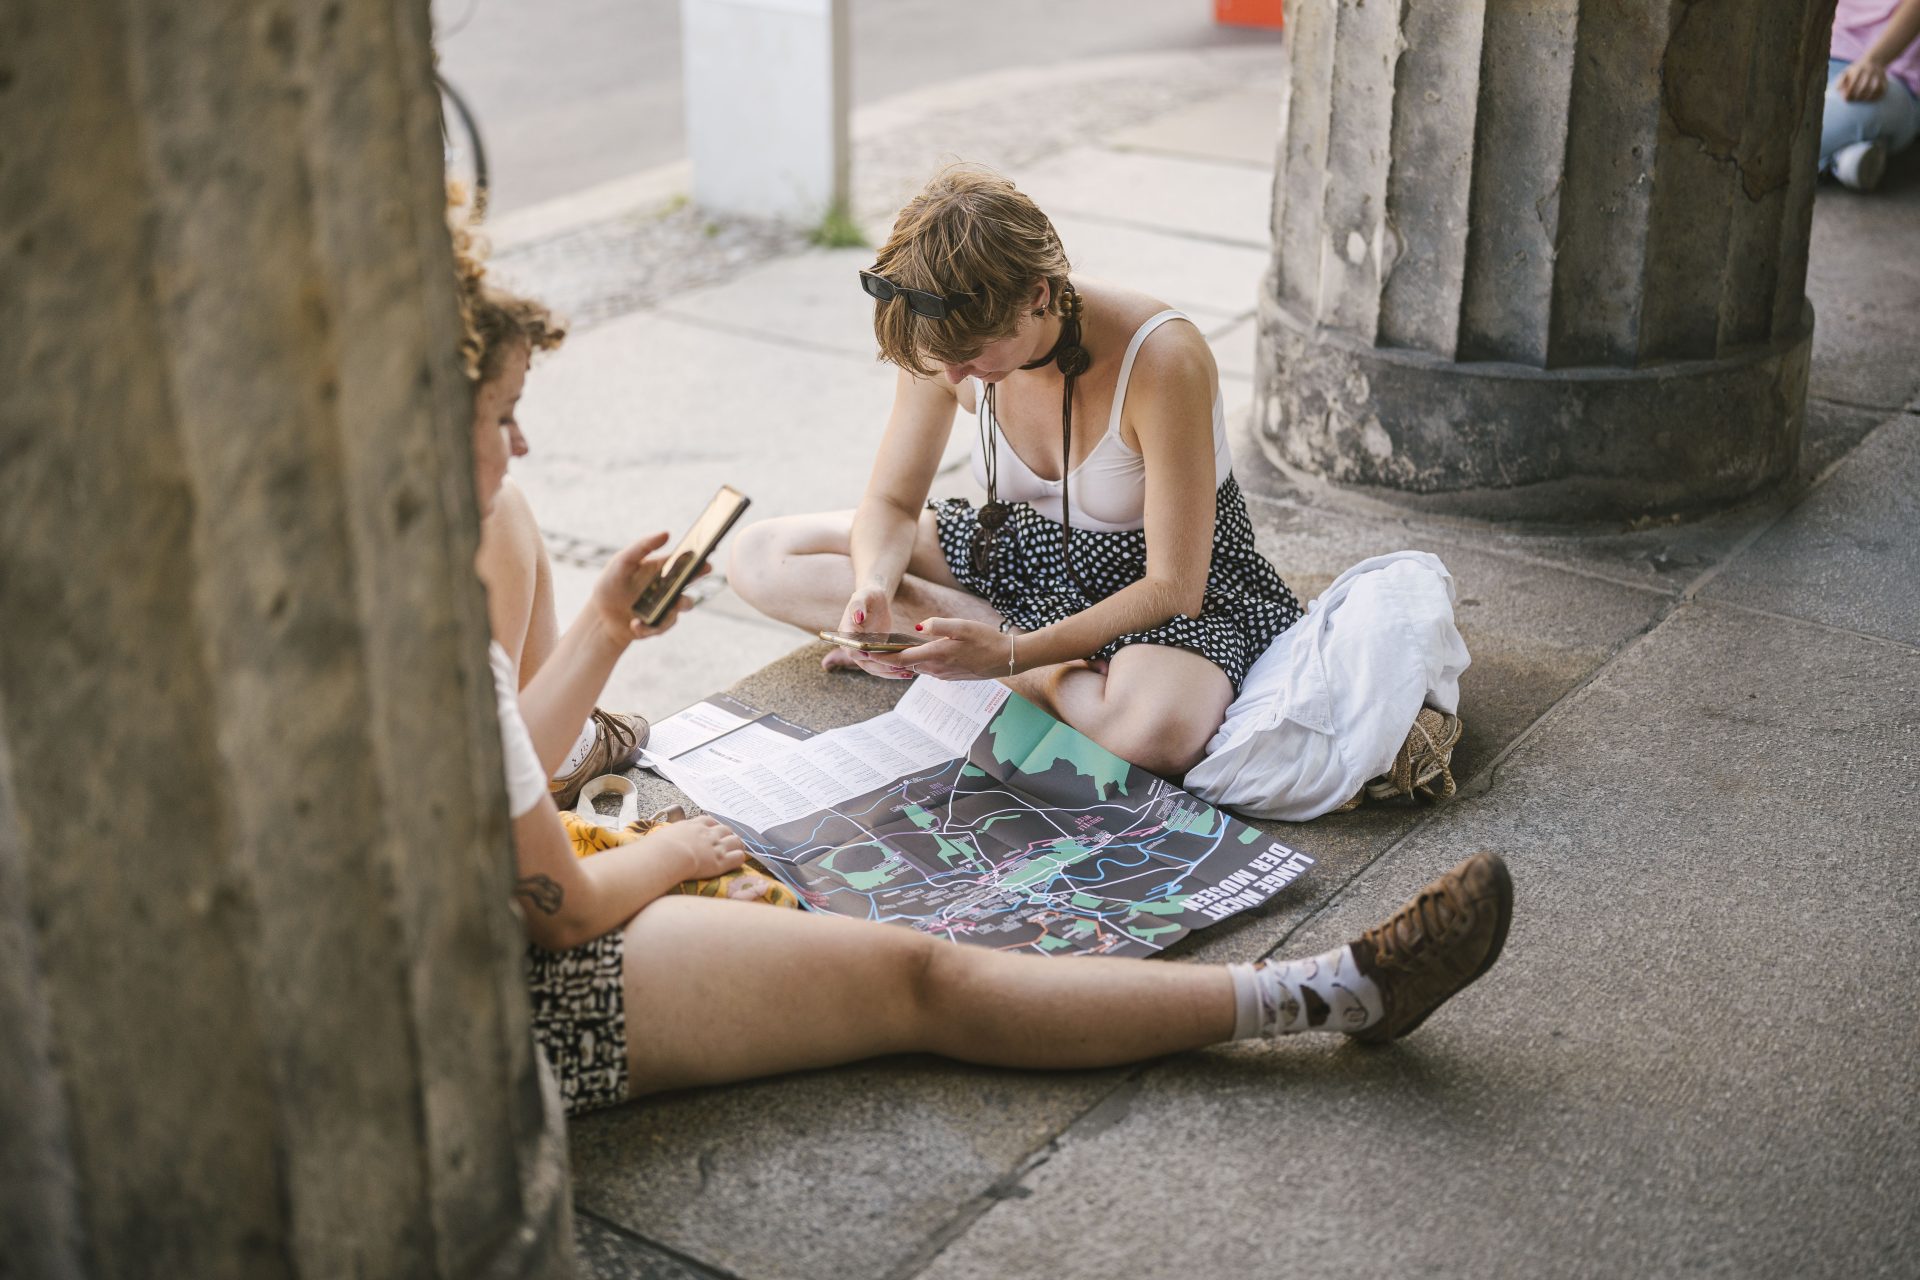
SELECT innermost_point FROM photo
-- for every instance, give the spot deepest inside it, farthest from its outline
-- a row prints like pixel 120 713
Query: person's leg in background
pixel 1856 137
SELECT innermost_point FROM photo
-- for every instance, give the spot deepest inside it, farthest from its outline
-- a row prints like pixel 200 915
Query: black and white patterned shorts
pixel 1246 604
pixel 580 1019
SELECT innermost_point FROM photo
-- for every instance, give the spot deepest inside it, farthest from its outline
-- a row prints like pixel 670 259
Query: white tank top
pixel 1109 487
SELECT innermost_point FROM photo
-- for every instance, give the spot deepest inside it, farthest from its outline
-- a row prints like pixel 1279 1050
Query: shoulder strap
pixel 1126 364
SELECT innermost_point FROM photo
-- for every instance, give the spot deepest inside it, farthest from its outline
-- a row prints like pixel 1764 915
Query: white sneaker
pixel 1861 165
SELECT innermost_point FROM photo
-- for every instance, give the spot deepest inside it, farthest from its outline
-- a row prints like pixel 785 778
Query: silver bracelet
pixel 1009 653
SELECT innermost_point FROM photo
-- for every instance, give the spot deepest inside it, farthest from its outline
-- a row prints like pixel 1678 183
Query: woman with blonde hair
pixel 1111 575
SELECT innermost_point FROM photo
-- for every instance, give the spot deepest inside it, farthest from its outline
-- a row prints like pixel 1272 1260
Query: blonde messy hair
pixel 494 320
pixel 968 231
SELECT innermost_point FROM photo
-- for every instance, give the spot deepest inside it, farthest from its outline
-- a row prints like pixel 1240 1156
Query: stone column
pixel 258 967
pixel 1544 259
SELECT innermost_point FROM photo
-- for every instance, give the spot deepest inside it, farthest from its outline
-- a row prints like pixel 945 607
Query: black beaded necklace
pixel 1073 359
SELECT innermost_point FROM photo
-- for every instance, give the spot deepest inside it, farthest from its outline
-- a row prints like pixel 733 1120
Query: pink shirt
pixel 1857 22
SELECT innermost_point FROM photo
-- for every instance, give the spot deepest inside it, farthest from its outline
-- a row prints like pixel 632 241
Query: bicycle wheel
pixel 466 154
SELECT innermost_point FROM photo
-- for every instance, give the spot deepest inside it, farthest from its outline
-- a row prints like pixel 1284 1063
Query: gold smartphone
pixel 664 591
pixel 874 641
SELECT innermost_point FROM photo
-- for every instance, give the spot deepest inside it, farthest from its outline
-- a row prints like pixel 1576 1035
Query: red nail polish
pixel 919 626
pixel 859 617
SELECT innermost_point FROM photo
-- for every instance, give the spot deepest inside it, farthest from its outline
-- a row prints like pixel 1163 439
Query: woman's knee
pixel 1167 739
pixel 753 565
pixel 763 548
pixel 1168 747
pixel 1161 719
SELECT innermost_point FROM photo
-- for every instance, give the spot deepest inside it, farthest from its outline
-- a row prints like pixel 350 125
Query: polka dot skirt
pixel 1245 607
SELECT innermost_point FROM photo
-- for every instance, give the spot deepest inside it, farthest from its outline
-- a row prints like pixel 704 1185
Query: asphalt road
pixel 573 93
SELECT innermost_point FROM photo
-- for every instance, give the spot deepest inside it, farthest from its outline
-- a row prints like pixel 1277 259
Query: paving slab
pixel 1017 118
pixel 635 424
pixel 704 653
pixel 822 1176
pixel 1850 555
pixel 1238 128
pixel 1695 1058
pixel 604 1252
pixel 1214 282
pixel 1535 631
pixel 811 299
pixel 1230 202
pixel 1865 290
pixel 613 265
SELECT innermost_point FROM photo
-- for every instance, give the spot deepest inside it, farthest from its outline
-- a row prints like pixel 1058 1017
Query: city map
pixel 971 814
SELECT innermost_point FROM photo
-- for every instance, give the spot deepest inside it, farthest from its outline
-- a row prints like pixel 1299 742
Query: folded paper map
pixel 969 813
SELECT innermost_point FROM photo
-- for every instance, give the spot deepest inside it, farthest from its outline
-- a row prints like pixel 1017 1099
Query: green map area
pixel 1031 741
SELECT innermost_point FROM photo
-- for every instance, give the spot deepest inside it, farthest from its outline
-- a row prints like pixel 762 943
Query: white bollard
pixel 767 91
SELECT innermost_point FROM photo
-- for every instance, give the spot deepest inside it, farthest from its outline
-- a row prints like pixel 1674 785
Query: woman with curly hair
pixel 513 555
pixel 636 989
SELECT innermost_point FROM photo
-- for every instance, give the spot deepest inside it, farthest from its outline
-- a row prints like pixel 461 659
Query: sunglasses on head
pixel 933 306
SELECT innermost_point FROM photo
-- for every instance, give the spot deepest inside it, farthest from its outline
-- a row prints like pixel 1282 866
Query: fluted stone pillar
pixel 1543 259
pixel 258 968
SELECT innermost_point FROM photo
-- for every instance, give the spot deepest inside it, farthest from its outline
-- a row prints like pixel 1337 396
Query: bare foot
pixel 839 660
pixel 847 660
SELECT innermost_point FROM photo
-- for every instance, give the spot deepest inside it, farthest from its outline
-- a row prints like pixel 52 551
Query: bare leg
pixel 1155 705
pixel 720 991
pixel 798 569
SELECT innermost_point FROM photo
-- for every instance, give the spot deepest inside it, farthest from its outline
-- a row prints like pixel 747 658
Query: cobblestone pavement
pixel 637 260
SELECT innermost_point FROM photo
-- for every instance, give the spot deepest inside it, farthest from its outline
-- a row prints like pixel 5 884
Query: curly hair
pixel 494 320
pixel 968 231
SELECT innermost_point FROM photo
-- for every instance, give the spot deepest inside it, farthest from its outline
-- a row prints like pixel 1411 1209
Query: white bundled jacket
pixel 1330 702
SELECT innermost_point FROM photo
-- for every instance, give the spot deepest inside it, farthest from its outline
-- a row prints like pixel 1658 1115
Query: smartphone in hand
pixel 657 601
pixel 873 641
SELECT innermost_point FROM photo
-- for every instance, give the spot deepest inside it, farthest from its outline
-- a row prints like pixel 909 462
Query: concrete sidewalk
pixel 1695 743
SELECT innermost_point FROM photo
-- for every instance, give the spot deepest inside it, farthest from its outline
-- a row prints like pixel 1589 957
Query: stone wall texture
pixel 255 929
pixel 1543 259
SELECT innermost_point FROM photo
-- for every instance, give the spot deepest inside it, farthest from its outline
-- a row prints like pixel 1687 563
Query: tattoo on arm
pixel 541 892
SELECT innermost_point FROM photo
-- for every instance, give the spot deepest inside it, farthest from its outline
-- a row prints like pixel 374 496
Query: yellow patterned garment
pixel 590 838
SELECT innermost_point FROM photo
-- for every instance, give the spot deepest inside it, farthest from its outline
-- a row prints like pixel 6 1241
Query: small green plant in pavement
pixel 838 230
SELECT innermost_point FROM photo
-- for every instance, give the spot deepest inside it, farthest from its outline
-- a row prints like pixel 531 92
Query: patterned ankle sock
pixel 1321 993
